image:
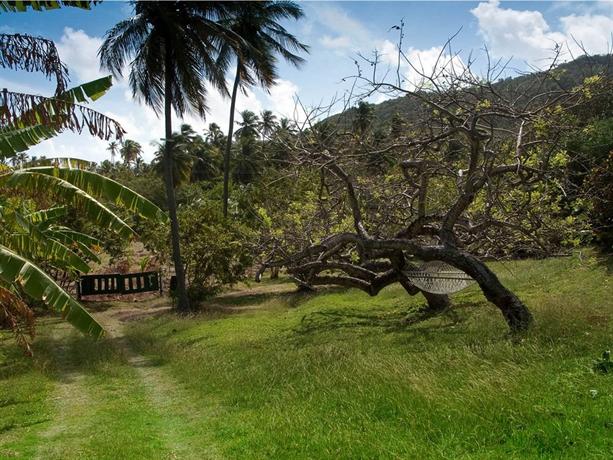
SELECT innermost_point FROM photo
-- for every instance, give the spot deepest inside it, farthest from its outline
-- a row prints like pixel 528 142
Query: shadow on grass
pixel 605 261
pixel 12 426
pixel 232 302
pixel 386 321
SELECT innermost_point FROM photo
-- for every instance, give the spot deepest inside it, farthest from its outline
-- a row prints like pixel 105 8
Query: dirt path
pixel 175 405
pixel 69 399
pixel 110 400
pixel 143 398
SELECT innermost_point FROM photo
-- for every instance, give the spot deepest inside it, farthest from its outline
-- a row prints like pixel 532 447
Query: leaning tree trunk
pixel 516 314
pixel 182 299
pixel 226 157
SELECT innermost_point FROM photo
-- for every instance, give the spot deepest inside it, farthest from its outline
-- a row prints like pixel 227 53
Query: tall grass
pixel 338 375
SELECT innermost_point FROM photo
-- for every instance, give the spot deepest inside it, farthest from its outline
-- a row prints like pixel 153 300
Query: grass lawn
pixel 267 373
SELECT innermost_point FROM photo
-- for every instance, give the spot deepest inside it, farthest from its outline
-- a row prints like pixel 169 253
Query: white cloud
pixel 434 62
pixel 340 42
pixel 389 52
pixel 526 34
pixel 417 64
pixel 348 33
pixel 80 53
pixel 592 32
pixel 282 98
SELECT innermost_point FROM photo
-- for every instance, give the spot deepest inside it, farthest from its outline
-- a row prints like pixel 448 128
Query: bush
pixel 215 252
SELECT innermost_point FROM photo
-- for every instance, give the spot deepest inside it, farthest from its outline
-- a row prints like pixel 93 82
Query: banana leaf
pixel 30 181
pixel 34 282
pixel 49 116
pixel 102 187
pixel 45 215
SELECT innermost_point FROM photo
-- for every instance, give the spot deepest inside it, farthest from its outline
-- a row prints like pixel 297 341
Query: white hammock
pixel 438 277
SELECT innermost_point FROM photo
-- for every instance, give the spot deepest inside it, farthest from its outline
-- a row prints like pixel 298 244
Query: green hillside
pixel 568 75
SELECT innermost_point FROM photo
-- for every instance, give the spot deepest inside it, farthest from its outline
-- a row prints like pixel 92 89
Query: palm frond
pixel 85 244
pixel 15 140
pixel 61 162
pixel 46 215
pixel 73 235
pixel 40 5
pixel 29 181
pixel 36 246
pixel 26 119
pixel 20 110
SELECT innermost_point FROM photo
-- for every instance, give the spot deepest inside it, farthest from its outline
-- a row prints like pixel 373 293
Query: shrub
pixel 216 252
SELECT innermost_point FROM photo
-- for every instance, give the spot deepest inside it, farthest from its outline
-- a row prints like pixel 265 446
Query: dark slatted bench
pixel 118 283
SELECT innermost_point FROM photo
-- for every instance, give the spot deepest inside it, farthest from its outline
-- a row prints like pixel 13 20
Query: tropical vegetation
pixel 428 277
pixel 39 249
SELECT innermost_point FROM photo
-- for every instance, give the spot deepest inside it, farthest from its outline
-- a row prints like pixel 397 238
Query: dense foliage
pixel 216 252
pixel 285 205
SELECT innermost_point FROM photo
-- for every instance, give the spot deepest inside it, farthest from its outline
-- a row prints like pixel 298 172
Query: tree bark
pixel 437 303
pixel 182 299
pixel 226 157
pixel 516 314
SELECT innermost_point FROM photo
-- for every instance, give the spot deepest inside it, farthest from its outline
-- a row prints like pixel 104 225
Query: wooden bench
pixel 118 283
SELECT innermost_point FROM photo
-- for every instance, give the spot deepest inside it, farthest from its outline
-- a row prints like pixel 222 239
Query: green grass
pixel 332 375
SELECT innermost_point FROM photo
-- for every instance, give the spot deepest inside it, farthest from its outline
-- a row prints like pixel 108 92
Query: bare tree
pixel 475 169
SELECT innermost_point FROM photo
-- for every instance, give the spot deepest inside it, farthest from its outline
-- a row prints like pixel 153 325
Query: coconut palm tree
pixel 263 38
pixel 19 159
pixel 285 127
pixel 182 159
pixel 214 135
pixel 268 123
pixel 172 48
pixel 248 126
pixel 130 151
pixel 113 147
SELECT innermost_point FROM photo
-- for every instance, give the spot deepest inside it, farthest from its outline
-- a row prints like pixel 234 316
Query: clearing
pixel 264 372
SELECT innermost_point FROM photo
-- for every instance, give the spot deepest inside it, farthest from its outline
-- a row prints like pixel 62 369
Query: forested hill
pixel 569 74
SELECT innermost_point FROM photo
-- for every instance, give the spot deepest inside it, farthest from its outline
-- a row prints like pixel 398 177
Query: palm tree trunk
pixel 182 300
pixel 226 157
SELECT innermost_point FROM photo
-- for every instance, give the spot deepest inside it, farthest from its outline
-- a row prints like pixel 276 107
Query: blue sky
pixel 336 32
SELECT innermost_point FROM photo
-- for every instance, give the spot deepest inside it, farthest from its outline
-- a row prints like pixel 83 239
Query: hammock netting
pixel 439 278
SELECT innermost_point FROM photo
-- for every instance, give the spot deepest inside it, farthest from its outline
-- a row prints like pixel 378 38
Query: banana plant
pixel 34 241
pixel 30 241
pixel 21 5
